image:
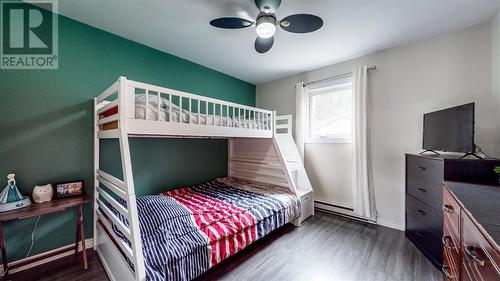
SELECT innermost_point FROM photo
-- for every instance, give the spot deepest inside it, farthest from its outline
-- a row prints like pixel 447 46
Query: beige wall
pixel 439 72
pixel 329 167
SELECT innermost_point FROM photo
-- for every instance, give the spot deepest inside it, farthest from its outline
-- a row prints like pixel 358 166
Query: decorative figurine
pixel 11 198
pixel 42 193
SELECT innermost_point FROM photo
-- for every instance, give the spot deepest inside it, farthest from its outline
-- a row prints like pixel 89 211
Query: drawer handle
pixel 471 255
pixel 447 244
pixel 422 168
pixel 422 190
pixel 421 212
pixel 420 234
pixel 448 209
pixel 446 271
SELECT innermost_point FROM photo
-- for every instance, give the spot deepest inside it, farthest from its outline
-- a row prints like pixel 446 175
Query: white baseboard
pixel 391 223
pixel 89 243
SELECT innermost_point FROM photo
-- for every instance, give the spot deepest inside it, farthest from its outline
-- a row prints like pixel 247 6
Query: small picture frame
pixel 67 189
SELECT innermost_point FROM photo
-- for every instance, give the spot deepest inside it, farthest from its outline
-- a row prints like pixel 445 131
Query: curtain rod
pixel 370 67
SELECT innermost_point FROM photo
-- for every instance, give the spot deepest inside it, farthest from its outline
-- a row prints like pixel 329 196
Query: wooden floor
pixel 325 247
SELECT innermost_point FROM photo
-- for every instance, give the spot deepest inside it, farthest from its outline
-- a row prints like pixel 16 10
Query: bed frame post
pixel 273 120
pixel 229 156
pixel 96 167
pixel 124 94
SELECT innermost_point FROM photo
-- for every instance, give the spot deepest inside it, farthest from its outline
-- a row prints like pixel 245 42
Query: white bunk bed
pixel 134 109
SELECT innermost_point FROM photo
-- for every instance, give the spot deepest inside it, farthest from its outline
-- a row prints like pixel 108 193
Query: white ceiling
pixel 351 28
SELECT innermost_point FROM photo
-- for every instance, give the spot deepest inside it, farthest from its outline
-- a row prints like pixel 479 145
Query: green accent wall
pixel 46 126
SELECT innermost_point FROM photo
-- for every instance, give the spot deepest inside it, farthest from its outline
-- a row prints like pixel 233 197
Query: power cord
pixel 33 236
pixel 480 150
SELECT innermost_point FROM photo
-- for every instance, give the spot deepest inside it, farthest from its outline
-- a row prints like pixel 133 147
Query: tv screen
pixel 450 129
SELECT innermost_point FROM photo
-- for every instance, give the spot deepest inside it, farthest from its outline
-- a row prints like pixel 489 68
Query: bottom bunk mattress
pixel 186 231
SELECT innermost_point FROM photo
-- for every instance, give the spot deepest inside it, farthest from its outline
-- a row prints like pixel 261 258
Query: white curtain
pixel 362 179
pixel 300 119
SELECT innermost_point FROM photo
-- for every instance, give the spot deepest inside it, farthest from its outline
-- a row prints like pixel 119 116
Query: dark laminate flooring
pixel 325 247
pixel 69 268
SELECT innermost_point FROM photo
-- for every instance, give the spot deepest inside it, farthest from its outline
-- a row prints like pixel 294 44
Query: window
pixel 330 110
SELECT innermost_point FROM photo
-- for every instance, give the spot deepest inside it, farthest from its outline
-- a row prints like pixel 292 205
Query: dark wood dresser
pixel 471 233
pixel 424 189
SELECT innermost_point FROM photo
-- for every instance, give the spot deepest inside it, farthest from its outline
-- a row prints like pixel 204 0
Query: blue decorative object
pixel 11 198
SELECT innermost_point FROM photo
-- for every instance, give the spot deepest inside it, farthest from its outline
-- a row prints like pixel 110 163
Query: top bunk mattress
pixel 186 231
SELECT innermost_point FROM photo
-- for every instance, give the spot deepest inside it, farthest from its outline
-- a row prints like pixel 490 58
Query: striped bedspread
pixel 186 231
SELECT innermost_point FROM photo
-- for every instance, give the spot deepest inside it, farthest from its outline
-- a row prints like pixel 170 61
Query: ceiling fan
pixel 266 22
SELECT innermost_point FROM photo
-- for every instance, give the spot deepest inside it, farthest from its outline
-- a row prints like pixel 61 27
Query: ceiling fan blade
pixel 263 45
pixel 268 6
pixel 231 23
pixel 301 23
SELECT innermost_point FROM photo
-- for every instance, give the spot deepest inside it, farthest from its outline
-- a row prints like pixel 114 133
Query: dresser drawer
pixel 451 254
pixel 429 243
pixel 424 228
pixel 428 192
pixel 451 265
pixel 465 273
pixel 421 215
pixel 451 211
pixel 451 240
pixel 480 259
pixel 427 169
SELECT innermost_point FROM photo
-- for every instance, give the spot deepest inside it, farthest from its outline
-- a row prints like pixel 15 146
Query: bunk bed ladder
pixel 125 92
pixel 121 188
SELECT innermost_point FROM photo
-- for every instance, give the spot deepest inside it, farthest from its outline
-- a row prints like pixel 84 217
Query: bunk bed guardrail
pixel 143 109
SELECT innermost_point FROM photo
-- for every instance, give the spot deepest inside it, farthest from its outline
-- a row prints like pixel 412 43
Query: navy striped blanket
pixel 186 231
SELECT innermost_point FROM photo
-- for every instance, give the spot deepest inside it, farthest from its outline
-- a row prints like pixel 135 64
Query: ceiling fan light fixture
pixel 266 26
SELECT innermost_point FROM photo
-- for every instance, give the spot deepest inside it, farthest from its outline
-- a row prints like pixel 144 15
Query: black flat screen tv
pixel 450 129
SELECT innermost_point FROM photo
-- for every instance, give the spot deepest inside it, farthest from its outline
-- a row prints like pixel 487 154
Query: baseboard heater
pixel 340 214
pixel 333 205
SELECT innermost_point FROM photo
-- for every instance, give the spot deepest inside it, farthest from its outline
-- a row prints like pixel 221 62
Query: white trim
pixel 70 251
pixel 391 223
pixel 333 85
pixel 329 139
pixel 331 81
pixel 342 83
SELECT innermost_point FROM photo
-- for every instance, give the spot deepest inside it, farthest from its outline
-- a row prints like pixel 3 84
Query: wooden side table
pixel 33 210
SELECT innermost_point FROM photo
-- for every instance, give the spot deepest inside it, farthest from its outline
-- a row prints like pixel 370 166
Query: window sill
pixel 328 140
